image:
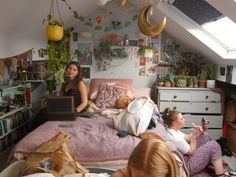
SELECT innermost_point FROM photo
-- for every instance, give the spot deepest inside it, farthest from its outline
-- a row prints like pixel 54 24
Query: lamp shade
pixel 54 33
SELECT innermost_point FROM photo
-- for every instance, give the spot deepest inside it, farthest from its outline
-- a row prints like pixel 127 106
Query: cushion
pixel 126 84
pixel 108 95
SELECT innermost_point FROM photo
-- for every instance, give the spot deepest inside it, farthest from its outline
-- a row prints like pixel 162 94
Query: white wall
pixel 127 68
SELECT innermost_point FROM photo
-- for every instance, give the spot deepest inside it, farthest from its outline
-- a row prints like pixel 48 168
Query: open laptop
pixel 60 108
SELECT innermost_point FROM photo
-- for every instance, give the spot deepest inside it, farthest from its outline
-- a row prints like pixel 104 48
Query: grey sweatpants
pixel 207 150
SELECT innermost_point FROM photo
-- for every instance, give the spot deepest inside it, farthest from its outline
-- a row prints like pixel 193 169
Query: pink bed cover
pixel 92 139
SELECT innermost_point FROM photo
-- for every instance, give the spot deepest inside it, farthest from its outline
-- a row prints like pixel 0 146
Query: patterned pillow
pixel 107 96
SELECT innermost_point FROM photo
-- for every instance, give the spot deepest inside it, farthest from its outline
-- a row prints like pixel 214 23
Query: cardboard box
pixel 231 137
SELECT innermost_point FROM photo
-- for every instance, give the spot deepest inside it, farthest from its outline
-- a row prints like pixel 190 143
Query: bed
pixel 94 141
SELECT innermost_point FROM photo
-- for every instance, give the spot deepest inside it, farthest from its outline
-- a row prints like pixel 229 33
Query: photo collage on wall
pixel 84 55
pixel 148 63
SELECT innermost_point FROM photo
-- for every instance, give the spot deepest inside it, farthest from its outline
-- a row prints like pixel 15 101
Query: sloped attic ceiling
pixel 22 22
pixel 181 30
pixel 22 28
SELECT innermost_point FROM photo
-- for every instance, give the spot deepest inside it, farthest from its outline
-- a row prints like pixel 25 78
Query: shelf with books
pixel 16 116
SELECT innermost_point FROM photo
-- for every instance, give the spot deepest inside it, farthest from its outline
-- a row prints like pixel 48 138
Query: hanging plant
pixel 102 54
pixel 55 28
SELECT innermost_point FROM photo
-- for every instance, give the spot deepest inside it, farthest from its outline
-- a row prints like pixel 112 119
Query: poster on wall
pixel 142 71
pixel 85 72
pixel 85 53
pixel 229 73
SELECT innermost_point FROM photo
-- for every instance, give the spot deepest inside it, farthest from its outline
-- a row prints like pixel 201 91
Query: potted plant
pixel 210 76
pixel 172 80
pixel 146 50
pixel 58 57
pixel 55 30
pixel 181 81
pixel 167 81
pixel 190 81
pixel 102 54
pixel 202 76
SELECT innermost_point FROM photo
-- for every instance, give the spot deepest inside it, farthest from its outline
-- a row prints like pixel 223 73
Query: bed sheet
pixel 93 140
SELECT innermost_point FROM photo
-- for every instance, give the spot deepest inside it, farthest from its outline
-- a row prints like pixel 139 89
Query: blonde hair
pixel 153 158
pixel 169 116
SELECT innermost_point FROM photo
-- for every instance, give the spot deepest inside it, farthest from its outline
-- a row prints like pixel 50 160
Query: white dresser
pixel 194 104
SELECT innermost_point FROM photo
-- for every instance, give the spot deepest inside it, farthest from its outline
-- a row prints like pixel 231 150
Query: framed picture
pixel 85 72
pixel 85 53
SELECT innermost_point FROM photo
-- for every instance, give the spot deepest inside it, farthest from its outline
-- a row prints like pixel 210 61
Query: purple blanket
pixel 92 140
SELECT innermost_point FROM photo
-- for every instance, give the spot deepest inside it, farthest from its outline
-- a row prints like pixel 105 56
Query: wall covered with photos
pixel 119 22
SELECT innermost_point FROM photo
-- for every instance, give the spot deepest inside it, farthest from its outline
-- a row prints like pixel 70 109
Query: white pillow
pixel 40 175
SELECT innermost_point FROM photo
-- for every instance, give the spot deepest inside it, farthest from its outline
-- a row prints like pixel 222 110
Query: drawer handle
pixel 207 97
pixel 206 108
pixel 175 96
pixel 174 107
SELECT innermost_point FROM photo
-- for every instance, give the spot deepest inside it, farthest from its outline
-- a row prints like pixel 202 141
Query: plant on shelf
pixel 172 80
pixel 190 81
pixel 210 76
pixel 181 81
pixel 102 54
pixel 202 76
pixel 145 48
pixel 167 80
pixel 210 71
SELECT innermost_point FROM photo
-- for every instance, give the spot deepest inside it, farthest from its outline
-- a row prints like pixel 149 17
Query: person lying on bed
pixel 198 149
pixel 75 86
pixel 150 158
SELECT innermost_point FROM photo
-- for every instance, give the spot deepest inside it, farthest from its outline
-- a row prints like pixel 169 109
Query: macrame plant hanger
pixel 55 28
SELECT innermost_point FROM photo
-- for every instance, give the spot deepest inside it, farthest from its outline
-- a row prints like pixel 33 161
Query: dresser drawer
pixel 215 121
pixel 188 95
pixel 173 95
pixel 205 96
pixel 188 107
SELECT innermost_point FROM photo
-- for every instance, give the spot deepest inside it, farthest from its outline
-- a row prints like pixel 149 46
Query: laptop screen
pixel 60 107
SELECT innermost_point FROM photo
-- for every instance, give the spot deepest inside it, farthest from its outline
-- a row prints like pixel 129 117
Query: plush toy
pixel 92 106
pixel 123 102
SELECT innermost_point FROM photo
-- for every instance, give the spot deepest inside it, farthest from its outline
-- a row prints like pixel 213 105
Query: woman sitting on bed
pixel 150 158
pixel 198 149
pixel 75 86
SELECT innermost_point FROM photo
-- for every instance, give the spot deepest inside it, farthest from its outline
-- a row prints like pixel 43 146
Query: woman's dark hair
pixel 76 79
pixel 169 116
pixel 79 76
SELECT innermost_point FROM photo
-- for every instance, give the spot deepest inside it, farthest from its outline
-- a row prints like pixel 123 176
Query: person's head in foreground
pixel 150 158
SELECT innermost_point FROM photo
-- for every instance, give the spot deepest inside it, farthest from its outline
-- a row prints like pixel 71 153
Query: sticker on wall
pixel 142 71
pixel 84 53
pixel 229 73
pixel 75 37
pixel 151 70
pixel 142 61
pixel 85 72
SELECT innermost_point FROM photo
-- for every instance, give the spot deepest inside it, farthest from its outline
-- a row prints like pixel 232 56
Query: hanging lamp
pixel 55 28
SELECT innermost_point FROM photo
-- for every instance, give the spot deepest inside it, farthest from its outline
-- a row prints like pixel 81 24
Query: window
pixel 206 23
pixel 223 30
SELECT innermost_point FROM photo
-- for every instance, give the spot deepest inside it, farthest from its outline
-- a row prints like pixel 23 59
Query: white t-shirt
pixel 177 137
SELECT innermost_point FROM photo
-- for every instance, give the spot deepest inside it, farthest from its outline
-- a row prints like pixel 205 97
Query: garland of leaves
pixel 89 22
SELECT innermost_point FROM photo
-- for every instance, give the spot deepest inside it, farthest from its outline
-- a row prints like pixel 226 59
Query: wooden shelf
pixel 12 112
